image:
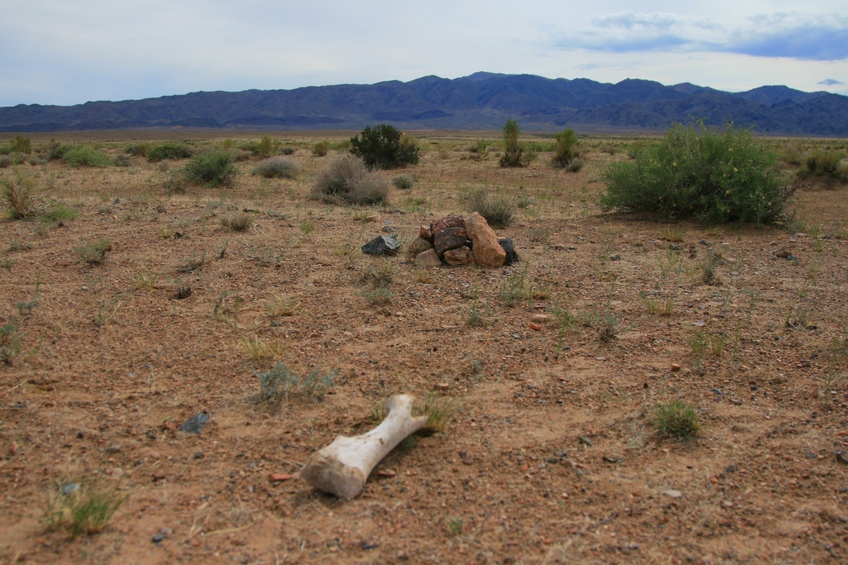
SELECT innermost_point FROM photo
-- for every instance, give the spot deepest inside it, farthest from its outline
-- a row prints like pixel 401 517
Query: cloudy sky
pixel 73 51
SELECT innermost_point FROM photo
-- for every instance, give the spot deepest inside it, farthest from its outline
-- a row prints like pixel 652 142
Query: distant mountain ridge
pixel 477 102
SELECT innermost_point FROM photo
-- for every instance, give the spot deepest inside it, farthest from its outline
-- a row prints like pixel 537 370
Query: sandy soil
pixel 549 455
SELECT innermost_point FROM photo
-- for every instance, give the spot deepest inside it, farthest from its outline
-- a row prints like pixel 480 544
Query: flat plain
pixel 549 452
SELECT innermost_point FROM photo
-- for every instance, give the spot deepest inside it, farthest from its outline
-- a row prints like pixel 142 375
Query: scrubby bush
pixel 138 149
pixel 321 148
pixel 268 146
pixel 21 144
pixel 347 179
pixel 212 168
pixel 498 210
pixel 824 163
pixel 277 167
pixel 384 147
pixel 676 420
pixel 85 156
pixel 6 161
pixel 716 176
pixel 19 195
pixel 513 152
pixel 567 149
pixel 56 150
pixel 404 182
pixel 169 151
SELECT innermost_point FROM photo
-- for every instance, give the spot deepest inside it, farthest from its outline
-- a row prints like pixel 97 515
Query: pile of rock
pixel 457 241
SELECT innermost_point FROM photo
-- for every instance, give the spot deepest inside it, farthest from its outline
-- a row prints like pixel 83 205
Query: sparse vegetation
pixel 85 156
pixel 347 179
pixel 94 252
pixel 168 151
pixel 498 210
pixel 513 155
pixel 281 383
pixel 384 147
pixel 80 508
pixel 722 176
pixel 567 151
pixel 404 182
pixel 238 222
pixel 825 163
pixel 677 420
pixel 19 196
pixel 212 168
pixel 277 167
pixel 321 148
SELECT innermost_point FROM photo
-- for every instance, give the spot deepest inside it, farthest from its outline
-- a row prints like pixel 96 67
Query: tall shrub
pixel 384 147
pixel 717 176
pixel 513 153
pixel 567 150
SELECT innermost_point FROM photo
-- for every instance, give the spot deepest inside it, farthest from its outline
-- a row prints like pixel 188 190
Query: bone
pixel 342 468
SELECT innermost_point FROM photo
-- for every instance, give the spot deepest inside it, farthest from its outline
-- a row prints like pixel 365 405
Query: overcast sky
pixel 73 51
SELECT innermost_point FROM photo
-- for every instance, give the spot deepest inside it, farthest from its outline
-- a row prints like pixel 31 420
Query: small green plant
pixel 513 155
pixel 725 176
pixel 10 343
pixel 145 281
pixel 277 167
pixel 281 383
pixel 81 508
pixel 239 222
pixel 168 151
pixel 94 252
pixel 85 156
pixel 56 150
pixel 60 213
pixel 515 288
pixel 259 349
pixel 307 226
pixel 677 420
pixel 454 525
pixel 479 149
pixel 211 168
pixel 658 307
pixel 384 147
pixel 138 149
pixel 476 316
pixel 347 179
pixel 404 181
pixel 267 146
pixel 321 148
pixel 191 264
pixel 438 409
pixel 498 210
pixel 379 295
pixel 567 149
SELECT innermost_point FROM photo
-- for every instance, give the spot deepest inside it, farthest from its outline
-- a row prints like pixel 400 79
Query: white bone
pixel 342 467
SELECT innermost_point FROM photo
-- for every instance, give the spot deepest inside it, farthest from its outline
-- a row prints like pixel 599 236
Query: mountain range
pixel 481 101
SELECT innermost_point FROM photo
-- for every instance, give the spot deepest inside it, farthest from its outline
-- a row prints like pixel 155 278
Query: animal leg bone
pixel 342 467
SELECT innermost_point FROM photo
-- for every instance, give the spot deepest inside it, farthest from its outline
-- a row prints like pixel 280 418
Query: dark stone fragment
pixel 508 246
pixel 381 245
pixel 195 424
pixel 183 292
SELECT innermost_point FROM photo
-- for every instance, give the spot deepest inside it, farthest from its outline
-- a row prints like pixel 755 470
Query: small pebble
pixel 279 477
pixel 673 493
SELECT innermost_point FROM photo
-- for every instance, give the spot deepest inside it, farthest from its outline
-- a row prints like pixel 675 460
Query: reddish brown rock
pixel 428 259
pixel 487 251
pixel 450 238
pixel 452 221
pixel 424 232
pixel 459 256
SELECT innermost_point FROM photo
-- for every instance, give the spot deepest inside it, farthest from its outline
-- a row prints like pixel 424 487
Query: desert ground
pixel 549 450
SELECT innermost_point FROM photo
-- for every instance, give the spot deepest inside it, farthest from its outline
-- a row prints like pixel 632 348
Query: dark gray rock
pixel 508 246
pixel 381 245
pixel 195 424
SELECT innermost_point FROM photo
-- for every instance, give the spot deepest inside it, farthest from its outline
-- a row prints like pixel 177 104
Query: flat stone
pixel 450 238
pixel 381 245
pixel 428 258
pixel 459 256
pixel 418 245
pixel 673 493
pixel 195 424
pixel 487 250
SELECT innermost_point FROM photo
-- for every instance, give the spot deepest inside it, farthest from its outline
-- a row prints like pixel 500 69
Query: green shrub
pixel 267 146
pixel 321 148
pixel 212 168
pixel 513 152
pixel 716 176
pixel 169 151
pixel 497 209
pixel 347 179
pixel 277 167
pixel 404 182
pixel 56 150
pixel 21 144
pixel 138 149
pixel 82 509
pixel 677 420
pixel 567 149
pixel 384 147
pixel 85 156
